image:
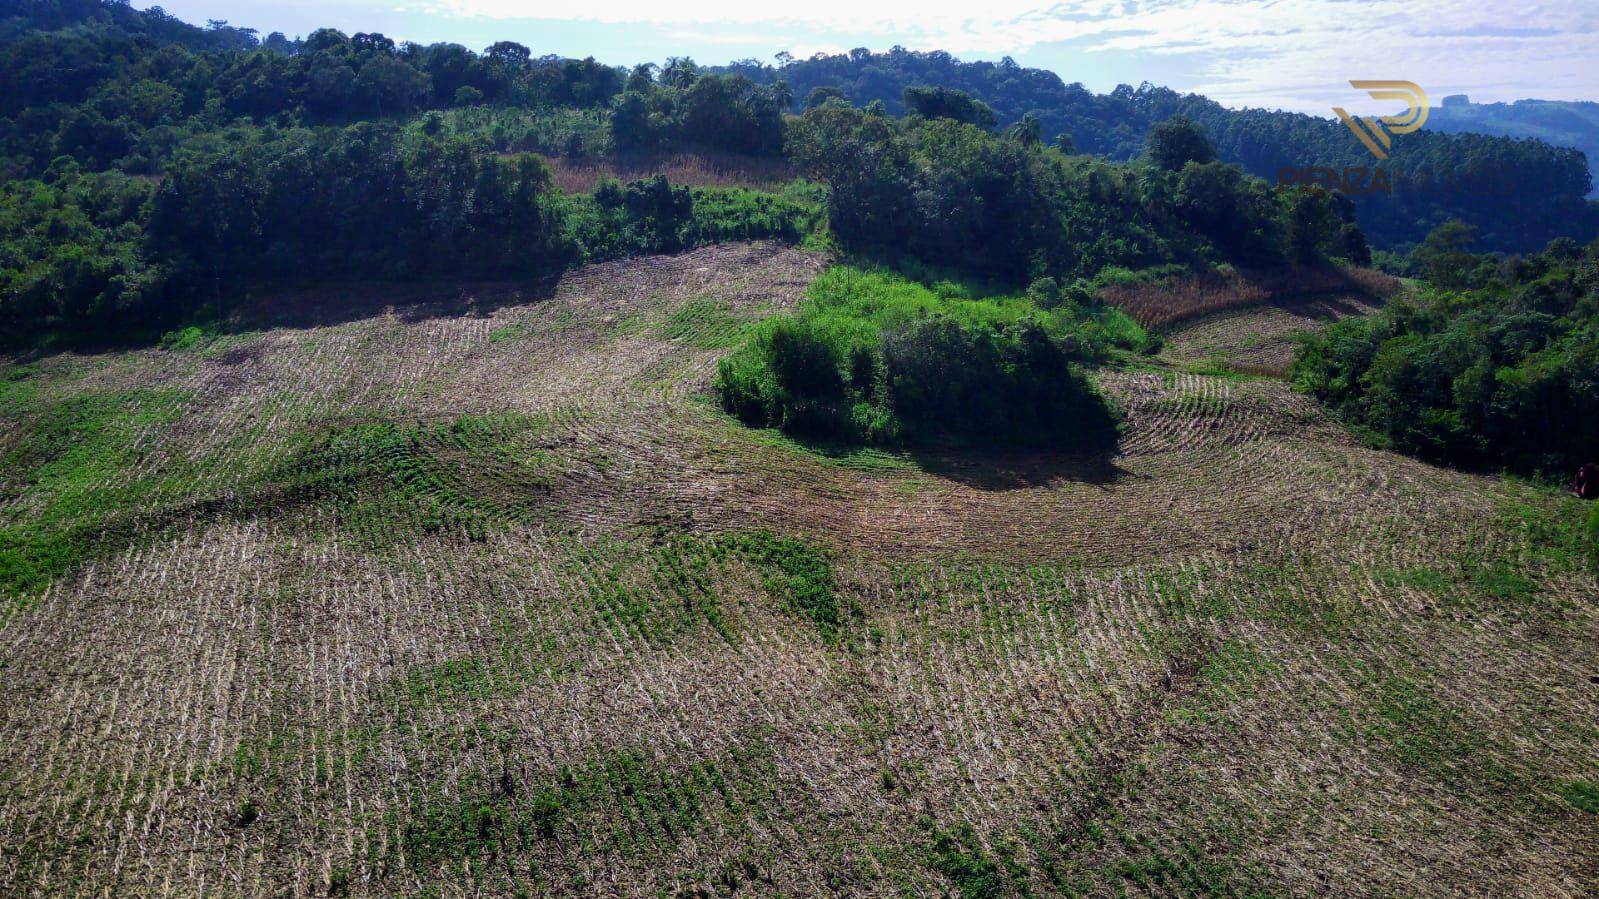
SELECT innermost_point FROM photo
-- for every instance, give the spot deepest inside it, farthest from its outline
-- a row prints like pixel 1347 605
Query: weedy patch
pixel 507 333
pixel 71 459
pixel 973 871
pixel 630 799
pixel 462 477
pixel 1562 533
pixel 664 590
pixel 1582 794
pixel 1423 732
pixel 798 574
pixel 184 340
pixel 707 324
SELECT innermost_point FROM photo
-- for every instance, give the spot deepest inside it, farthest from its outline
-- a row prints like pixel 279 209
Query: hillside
pixel 1519 193
pixel 1562 123
pixel 469 588
pixel 115 89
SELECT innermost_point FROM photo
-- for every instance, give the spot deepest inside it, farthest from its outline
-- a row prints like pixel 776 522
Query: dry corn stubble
pixel 478 603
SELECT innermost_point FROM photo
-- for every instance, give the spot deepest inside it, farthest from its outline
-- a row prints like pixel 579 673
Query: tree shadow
pixel 1325 308
pixel 987 468
pixel 999 470
pixel 302 306
pixel 324 305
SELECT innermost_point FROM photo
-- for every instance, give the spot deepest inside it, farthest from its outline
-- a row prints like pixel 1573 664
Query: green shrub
pixel 873 356
pixel 1015 386
pixel 1505 376
pixel 654 216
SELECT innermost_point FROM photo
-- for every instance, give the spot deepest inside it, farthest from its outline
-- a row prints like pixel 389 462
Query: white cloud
pixel 1292 53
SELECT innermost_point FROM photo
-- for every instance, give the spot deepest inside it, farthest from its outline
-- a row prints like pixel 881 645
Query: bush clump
pixel 1502 376
pixel 872 356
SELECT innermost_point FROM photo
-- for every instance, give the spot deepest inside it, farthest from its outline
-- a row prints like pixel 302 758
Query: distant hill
pixel 1564 123
pixel 1538 188
pixel 19 16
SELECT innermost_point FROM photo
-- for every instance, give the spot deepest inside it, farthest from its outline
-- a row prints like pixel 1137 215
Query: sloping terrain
pixel 481 594
pixel 1260 339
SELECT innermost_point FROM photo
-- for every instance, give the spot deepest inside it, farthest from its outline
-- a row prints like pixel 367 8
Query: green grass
pixel 71 459
pixel 674 583
pixel 630 797
pixel 448 682
pixel 1582 794
pixel 854 303
pixel 656 594
pixel 185 339
pixel 707 324
pixel 466 476
pixel 1217 366
pixel 1563 533
pixel 957 854
pixel 797 573
pixel 463 477
pixel 1422 732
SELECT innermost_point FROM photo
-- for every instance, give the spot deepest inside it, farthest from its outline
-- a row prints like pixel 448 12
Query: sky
pixel 1279 54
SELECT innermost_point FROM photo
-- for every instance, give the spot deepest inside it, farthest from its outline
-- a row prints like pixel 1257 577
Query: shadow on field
pixel 987 468
pixel 411 301
pixel 1001 470
pixel 1326 308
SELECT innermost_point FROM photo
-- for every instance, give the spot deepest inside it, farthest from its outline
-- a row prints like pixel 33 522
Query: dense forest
pixel 1495 366
pixel 1518 193
pixel 155 169
pixel 1564 123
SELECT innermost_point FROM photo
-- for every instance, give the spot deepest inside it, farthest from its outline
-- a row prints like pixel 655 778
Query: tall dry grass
pixel 1170 300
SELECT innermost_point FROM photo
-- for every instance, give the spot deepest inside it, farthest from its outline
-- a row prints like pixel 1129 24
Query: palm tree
pixel 1028 130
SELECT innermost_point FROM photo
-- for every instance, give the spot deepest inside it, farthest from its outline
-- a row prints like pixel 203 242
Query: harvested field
pixel 1163 303
pixel 1259 339
pixel 479 593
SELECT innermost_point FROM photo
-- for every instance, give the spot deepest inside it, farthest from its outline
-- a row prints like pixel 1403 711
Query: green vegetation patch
pixel 1427 734
pixel 654 216
pixel 707 324
pixel 873 356
pixel 630 799
pixel 957 854
pixel 674 583
pixel 656 592
pixel 798 573
pixel 1582 794
pixel 465 476
pixel 548 130
pixel 1562 534
pixel 72 459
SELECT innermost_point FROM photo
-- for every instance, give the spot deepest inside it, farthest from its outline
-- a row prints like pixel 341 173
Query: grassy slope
pixel 500 602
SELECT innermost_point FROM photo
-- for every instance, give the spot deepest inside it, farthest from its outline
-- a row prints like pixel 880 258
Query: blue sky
pixel 1289 54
